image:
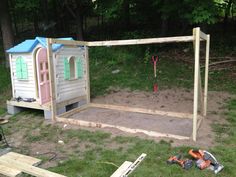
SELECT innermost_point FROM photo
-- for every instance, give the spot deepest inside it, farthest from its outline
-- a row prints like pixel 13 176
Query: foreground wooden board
pixel 125 129
pixel 121 169
pixel 12 164
pixel 9 171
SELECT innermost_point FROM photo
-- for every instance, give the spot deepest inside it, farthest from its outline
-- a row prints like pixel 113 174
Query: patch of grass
pixel 85 135
pixel 136 70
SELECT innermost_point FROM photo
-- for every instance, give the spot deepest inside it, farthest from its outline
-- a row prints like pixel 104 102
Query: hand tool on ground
pixel 205 159
pixel 154 60
pixel 185 164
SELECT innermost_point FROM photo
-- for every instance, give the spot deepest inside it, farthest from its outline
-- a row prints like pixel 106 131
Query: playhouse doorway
pixel 43 76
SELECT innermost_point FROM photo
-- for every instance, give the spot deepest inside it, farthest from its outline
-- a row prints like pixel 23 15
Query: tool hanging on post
pixel 154 60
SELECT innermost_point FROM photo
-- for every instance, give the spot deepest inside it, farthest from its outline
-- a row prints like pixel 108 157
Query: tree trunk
pixel 227 13
pixel 79 23
pixel 126 17
pixel 164 26
pixel 6 28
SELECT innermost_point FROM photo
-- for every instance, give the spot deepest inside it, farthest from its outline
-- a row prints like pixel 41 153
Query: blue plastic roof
pixel 28 45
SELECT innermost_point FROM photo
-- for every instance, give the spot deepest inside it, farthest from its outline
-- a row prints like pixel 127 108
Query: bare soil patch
pixel 177 100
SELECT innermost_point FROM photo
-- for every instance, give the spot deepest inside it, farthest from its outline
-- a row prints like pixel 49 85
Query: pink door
pixel 43 76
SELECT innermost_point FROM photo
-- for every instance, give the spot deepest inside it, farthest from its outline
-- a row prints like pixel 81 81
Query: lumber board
pixel 68 42
pixel 203 35
pixel 70 101
pixel 142 110
pixel 26 168
pixel 8 171
pixel 200 121
pixel 121 169
pixel 33 105
pixel 206 75
pixel 51 78
pixel 22 158
pixel 141 41
pixel 73 111
pixel 87 74
pixel 125 129
pixel 12 172
pixel 196 34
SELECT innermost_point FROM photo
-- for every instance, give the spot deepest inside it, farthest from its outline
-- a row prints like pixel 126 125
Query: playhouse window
pixel 21 69
pixel 73 68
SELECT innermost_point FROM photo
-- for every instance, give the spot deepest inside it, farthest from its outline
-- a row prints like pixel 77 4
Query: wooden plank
pixel 203 35
pixel 206 75
pixel 73 111
pixel 121 169
pixel 8 171
pixel 142 41
pixel 134 164
pixel 87 75
pixel 70 101
pixel 51 78
pixel 26 168
pixel 200 93
pixel 142 110
pixel 33 105
pixel 12 172
pixel 196 34
pixel 22 158
pixel 125 129
pixel 68 42
pixel 200 119
pixel 12 77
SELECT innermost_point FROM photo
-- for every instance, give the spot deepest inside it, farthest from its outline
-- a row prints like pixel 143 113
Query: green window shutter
pixel 66 69
pixel 79 68
pixel 24 70
pixel 18 68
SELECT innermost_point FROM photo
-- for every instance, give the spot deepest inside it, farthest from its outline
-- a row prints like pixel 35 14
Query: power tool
pixel 205 159
pixel 185 164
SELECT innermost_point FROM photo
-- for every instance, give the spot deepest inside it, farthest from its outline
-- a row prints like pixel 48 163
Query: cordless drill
pixel 185 164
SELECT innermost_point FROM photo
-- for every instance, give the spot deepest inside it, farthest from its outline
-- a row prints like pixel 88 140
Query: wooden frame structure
pixel 199 96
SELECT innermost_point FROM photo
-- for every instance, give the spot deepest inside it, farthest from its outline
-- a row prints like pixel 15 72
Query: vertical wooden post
pixel 12 76
pixel 206 75
pixel 196 35
pixel 52 79
pixel 87 74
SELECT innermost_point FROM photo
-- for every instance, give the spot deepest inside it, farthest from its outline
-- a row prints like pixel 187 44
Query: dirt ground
pixel 176 100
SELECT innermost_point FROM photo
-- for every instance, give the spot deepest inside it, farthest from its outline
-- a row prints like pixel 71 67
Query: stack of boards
pixel 13 164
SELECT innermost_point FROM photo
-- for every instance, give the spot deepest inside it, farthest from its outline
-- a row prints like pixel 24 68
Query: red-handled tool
pixel 154 60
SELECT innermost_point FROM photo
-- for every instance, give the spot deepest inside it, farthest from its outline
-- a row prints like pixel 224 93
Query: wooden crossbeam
pixel 142 110
pixel 125 129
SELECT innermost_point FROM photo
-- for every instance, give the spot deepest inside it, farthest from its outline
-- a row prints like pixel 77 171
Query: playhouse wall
pixel 69 89
pixel 23 88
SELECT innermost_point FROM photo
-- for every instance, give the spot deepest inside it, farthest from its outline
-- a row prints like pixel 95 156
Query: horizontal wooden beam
pixel 124 42
pixel 70 101
pixel 203 35
pixel 142 41
pixel 69 42
pixel 32 105
pixel 125 129
pixel 73 111
pixel 142 110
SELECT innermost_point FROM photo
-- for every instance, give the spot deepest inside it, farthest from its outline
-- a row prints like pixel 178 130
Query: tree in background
pixel 6 28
